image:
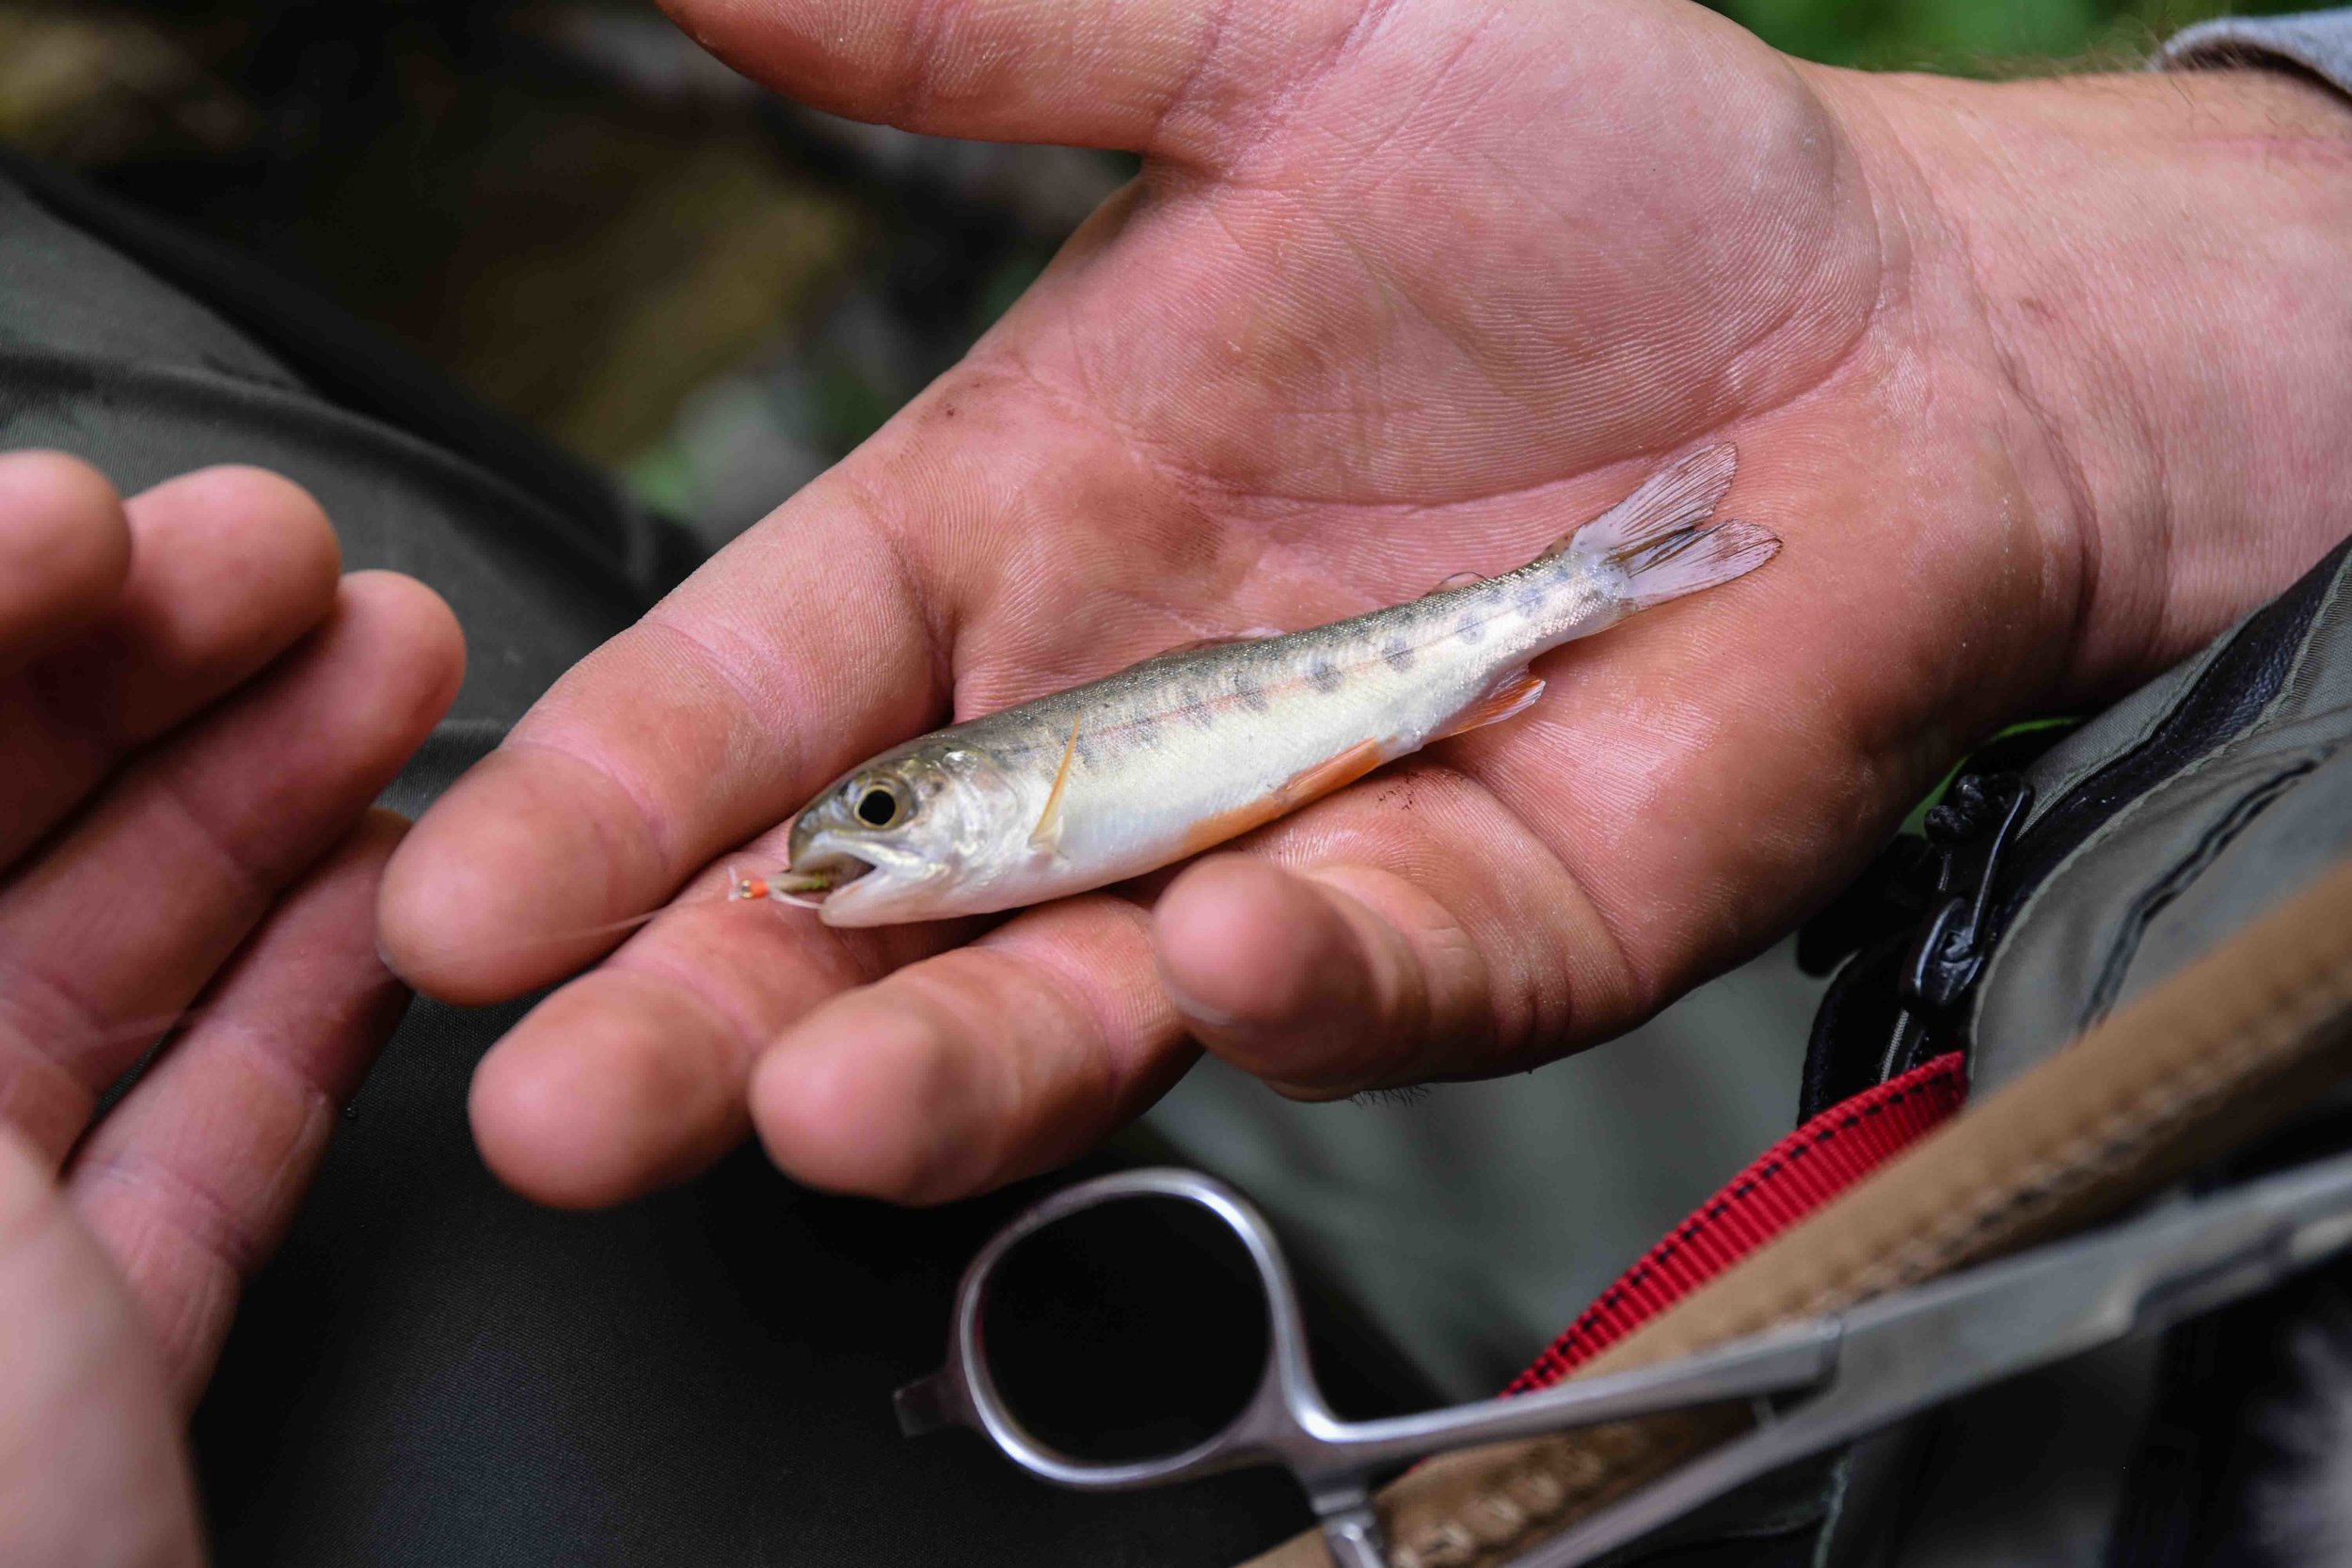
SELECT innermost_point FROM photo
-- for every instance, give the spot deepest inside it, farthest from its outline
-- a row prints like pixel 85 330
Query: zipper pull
pixel 1975 827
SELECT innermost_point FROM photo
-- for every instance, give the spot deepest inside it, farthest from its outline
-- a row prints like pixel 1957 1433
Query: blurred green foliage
pixel 1979 37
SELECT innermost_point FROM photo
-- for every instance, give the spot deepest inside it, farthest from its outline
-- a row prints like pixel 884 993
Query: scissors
pixel 1812 1384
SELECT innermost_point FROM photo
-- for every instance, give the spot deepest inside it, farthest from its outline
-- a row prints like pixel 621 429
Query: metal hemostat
pixel 1811 1384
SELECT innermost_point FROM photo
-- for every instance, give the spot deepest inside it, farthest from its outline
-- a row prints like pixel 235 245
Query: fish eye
pixel 879 805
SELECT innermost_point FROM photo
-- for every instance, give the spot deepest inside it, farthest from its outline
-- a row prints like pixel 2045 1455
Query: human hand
pixel 195 714
pixel 1405 289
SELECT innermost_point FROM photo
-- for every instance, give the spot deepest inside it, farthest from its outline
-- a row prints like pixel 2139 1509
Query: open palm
pixel 1405 289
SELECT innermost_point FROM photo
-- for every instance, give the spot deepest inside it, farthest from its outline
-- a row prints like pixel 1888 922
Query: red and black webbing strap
pixel 1788 1181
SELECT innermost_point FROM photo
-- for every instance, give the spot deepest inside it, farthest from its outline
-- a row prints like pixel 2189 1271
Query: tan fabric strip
pixel 2231 1044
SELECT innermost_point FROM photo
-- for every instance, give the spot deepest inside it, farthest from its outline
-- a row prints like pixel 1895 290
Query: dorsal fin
pixel 1459 580
pixel 1255 634
pixel 1047 834
pixel 1198 644
pixel 1672 499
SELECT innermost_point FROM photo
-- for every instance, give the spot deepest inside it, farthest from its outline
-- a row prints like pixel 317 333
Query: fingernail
pixel 1191 1006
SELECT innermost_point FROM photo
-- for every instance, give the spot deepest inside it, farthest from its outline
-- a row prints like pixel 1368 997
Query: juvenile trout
pixel 1168 757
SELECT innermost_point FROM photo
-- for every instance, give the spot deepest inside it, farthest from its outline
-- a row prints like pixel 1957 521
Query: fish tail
pixel 1690 559
pixel 1660 540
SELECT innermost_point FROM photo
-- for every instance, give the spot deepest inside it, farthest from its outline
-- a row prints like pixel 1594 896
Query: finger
pixel 991 1062
pixel 1326 981
pixel 1370 946
pixel 191 1181
pixel 92 1468
pixel 979 1066
pixel 821 636
pixel 231 567
pixel 955 557
pixel 65 550
pixel 129 915
pixel 1148 75
pixel 735 710
pixel 634 1075
pixel 808 643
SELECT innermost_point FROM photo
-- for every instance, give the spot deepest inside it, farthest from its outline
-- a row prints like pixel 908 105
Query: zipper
pixel 1987 852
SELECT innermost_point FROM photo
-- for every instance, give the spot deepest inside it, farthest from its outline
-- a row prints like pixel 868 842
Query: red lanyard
pixel 1788 1181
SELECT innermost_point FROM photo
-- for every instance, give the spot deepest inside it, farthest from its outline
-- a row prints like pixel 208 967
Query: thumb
pixel 1323 984
pixel 1169 78
pixel 91 1465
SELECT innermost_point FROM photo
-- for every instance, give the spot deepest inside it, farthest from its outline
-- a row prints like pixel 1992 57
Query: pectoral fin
pixel 1509 696
pixel 1046 835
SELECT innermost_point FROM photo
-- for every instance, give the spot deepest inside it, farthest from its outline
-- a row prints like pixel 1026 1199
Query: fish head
pixel 911 835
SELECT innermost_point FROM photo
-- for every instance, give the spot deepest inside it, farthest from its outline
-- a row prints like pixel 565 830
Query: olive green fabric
pixel 2181 867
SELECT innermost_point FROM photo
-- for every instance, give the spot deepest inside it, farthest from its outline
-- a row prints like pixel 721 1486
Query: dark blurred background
pixel 594 227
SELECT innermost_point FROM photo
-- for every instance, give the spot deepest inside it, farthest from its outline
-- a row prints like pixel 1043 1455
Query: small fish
pixel 1145 767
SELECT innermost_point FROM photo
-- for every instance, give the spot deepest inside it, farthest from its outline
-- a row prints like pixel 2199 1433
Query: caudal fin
pixel 1690 558
pixel 1659 536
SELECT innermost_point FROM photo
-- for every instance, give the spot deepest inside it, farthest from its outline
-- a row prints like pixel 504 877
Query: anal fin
pixel 1509 696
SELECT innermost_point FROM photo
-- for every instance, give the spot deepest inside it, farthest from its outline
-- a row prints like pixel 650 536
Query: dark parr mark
pixel 1470 629
pixel 1399 653
pixel 1531 599
pixel 1322 676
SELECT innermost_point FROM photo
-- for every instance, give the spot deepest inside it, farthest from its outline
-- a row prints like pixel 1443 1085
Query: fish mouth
pixel 859 884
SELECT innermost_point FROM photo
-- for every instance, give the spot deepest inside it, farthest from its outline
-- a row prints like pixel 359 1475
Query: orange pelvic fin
pixel 1512 694
pixel 1307 784
pixel 1047 834
pixel 1310 784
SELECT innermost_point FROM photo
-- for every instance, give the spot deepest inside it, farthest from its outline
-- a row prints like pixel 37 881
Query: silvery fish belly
pixel 1162 760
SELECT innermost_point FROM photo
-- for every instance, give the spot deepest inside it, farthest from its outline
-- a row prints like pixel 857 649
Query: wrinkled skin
pixel 195 712
pixel 1408 287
